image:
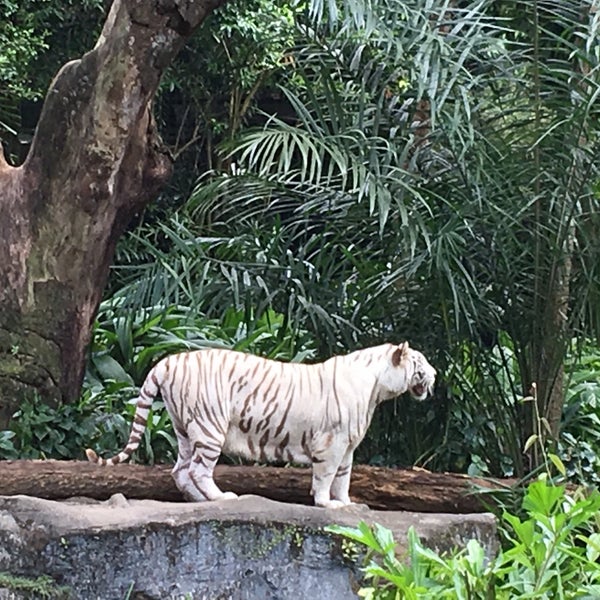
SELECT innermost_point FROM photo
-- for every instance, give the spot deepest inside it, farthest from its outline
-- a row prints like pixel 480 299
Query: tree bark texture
pixel 95 161
pixel 381 488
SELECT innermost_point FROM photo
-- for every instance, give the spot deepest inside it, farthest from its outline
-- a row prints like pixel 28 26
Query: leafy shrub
pixel 552 552
pixel 101 420
pixel 128 341
pixel 579 444
pixel 484 437
pixel 7 445
pixel 38 430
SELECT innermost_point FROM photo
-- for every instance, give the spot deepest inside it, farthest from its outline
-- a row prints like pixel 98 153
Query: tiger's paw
pixel 345 500
pixel 228 496
pixel 331 504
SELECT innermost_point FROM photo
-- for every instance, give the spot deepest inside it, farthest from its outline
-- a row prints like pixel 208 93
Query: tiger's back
pixel 273 410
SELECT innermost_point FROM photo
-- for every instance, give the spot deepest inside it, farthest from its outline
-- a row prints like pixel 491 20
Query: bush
pixel 38 430
pixel 579 444
pixel 552 551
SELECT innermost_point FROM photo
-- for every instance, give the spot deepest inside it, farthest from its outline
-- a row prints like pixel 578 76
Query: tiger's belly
pixel 265 446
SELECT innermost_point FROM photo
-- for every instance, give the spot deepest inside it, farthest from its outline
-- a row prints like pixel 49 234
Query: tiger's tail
pixel 140 418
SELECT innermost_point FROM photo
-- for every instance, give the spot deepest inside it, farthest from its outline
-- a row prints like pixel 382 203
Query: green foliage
pixel 7 445
pixel 579 444
pixel 434 139
pixel 19 45
pixel 127 343
pixel 40 587
pixel 38 430
pixel 45 432
pixel 206 96
pixel 551 552
pixel 485 438
pixel 267 266
pixel 36 38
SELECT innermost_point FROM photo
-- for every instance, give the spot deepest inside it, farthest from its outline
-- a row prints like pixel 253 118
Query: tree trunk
pixel 380 488
pixel 551 374
pixel 94 162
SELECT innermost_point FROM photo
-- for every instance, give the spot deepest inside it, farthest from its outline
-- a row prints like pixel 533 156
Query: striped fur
pixel 240 404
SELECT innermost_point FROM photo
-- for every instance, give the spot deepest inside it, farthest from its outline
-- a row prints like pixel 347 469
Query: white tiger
pixel 244 405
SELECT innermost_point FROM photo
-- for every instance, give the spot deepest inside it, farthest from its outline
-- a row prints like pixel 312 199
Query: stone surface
pixel 249 548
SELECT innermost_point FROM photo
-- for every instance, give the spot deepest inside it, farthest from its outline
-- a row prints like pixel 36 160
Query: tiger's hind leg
pixel 180 472
pixel 204 456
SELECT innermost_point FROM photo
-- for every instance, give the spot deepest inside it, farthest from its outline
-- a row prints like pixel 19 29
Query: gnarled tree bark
pixel 95 161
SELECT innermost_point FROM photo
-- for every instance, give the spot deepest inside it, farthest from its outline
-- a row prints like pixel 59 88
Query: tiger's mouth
pixel 419 391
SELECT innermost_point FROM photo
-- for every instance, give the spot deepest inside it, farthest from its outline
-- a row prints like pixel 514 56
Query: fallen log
pixel 379 487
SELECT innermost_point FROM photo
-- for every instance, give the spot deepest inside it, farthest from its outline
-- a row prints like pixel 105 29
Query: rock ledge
pixel 242 549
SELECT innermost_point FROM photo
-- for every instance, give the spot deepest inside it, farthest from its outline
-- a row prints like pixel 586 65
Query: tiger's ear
pixel 399 353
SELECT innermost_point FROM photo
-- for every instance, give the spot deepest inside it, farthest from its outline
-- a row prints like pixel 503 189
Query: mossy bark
pixel 95 161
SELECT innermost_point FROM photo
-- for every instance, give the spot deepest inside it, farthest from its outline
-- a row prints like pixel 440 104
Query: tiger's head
pixel 418 374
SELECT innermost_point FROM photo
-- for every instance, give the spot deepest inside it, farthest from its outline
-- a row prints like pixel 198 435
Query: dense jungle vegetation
pixel 349 173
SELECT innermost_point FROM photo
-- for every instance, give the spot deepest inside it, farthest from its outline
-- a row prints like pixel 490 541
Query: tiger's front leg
pixel 340 488
pixel 326 463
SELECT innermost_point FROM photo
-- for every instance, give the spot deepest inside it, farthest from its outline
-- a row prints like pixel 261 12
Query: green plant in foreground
pixel 41 587
pixel 551 552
